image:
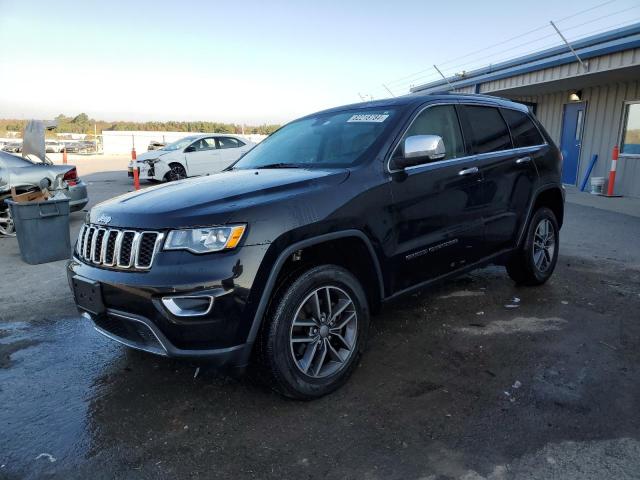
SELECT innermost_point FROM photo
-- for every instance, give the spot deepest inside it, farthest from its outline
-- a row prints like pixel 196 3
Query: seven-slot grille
pixel 116 248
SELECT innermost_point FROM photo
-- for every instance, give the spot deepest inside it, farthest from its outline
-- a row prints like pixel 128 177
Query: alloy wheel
pixel 324 332
pixel 7 227
pixel 544 245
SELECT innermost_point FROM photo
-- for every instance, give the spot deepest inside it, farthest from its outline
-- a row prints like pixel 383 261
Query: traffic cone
pixel 136 178
pixel 612 172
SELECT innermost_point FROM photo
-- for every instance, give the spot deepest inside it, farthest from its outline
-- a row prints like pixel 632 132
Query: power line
pixel 542 27
pixel 479 63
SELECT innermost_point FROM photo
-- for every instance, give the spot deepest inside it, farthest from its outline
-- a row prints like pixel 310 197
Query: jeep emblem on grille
pixel 103 219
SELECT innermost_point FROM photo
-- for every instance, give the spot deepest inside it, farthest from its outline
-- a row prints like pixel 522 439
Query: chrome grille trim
pixel 95 252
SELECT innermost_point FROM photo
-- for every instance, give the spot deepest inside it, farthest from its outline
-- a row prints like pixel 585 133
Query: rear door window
pixel 229 142
pixel 523 130
pixel 488 131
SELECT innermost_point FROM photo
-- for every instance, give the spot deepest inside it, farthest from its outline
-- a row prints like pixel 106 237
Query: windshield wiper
pixel 279 165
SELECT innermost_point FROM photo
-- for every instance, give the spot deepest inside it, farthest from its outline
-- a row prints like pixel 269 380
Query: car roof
pixel 418 99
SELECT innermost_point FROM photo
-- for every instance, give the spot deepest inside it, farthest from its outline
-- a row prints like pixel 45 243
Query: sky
pixel 259 62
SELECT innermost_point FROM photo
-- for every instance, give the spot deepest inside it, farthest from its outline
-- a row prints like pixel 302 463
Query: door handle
pixel 523 160
pixel 468 171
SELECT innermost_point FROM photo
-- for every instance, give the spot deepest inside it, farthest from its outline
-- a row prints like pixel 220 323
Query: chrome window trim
pixel 466 157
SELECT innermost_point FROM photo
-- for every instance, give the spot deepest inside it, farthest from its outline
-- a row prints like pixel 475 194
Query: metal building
pixel 588 99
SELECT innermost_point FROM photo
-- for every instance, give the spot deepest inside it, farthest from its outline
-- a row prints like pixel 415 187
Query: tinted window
pixel 523 131
pixel 228 142
pixel 324 140
pixel 631 130
pixel 440 120
pixel 205 144
pixel 488 132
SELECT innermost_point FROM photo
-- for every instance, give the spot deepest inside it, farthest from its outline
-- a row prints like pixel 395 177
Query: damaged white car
pixel 191 156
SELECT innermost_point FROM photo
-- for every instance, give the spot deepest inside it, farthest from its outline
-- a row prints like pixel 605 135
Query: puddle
pixel 517 325
pixel 462 293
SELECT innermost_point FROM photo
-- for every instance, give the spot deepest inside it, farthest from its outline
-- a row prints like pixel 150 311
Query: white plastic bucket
pixel 597 185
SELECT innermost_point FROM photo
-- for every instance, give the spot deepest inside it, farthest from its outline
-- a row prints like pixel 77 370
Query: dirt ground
pixel 474 379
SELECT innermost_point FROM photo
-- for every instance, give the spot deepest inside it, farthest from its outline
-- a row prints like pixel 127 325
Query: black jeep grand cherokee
pixel 282 257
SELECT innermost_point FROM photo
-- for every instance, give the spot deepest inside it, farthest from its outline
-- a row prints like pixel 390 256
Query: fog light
pixel 188 306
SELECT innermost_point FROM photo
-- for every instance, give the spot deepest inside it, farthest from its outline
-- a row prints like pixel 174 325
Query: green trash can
pixel 42 229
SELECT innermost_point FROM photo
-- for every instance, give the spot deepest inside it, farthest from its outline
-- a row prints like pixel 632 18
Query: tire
pixel 177 172
pixel 330 354
pixel 7 227
pixel 533 263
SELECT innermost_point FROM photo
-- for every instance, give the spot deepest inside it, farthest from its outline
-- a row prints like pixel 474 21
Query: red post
pixel 136 178
pixel 133 153
pixel 612 172
pixel 64 155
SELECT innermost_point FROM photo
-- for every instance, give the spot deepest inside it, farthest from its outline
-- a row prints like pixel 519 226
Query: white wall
pixel 123 141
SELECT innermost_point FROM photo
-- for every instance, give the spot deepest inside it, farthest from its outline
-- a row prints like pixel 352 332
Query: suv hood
pixel 232 196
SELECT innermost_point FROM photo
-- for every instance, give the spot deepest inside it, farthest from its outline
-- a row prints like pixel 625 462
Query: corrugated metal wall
pixel 601 129
pixel 603 63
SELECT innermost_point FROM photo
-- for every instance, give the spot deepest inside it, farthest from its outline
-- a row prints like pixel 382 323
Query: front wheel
pixel 176 172
pixel 534 262
pixel 313 337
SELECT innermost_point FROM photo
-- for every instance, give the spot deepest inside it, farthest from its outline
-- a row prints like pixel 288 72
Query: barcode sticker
pixel 368 117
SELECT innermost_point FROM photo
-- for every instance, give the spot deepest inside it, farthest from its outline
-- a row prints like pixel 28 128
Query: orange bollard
pixel 133 153
pixel 64 155
pixel 136 178
pixel 612 172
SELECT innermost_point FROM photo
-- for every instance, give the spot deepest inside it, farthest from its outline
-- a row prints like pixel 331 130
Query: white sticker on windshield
pixel 369 117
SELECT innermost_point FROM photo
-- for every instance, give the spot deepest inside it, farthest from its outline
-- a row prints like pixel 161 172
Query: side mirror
pixel 419 149
pixel 190 149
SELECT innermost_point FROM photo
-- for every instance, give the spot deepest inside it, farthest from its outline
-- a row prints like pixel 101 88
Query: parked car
pixel 25 175
pixel 51 146
pixel 12 147
pixel 191 156
pixel 282 257
pixel 154 145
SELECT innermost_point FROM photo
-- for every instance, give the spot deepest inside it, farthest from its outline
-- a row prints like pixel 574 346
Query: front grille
pixel 116 248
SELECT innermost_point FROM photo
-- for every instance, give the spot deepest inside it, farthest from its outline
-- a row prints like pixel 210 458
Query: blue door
pixel 572 126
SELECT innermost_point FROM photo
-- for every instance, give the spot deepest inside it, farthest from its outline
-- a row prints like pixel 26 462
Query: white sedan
pixel 191 157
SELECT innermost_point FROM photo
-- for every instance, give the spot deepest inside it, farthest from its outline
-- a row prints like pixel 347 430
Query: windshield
pixel 180 144
pixel 337 139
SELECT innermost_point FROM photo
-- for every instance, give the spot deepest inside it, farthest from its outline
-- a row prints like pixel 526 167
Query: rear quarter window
pixel 523 130
pixel 488 131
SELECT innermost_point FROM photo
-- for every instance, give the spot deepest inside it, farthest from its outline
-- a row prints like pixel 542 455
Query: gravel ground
pixel 454 384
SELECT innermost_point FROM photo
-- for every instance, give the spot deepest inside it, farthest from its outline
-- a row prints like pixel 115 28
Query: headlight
pixel 205 240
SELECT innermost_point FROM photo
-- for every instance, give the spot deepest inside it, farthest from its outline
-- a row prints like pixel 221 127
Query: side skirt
pixel 496 258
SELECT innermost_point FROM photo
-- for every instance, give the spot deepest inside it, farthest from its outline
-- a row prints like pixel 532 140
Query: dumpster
pixel 42 229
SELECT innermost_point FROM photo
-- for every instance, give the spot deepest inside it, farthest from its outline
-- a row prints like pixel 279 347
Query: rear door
pixel 436 206
pixel 231 149
pixel 509 173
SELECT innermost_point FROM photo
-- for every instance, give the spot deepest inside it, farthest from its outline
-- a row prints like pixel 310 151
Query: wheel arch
pixel 550 196
pixel 283 266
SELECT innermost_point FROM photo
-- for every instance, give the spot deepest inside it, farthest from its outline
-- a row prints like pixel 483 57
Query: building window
pixel 631 129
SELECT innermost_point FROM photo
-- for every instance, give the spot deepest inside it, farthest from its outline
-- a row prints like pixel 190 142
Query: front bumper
pixel 135 315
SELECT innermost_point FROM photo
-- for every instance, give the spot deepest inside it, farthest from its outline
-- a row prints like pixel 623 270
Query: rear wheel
pixel 176 172
pixel 534 262
pixel 315 333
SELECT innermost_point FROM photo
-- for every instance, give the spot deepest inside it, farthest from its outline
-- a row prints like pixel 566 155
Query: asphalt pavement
pixel 473 379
